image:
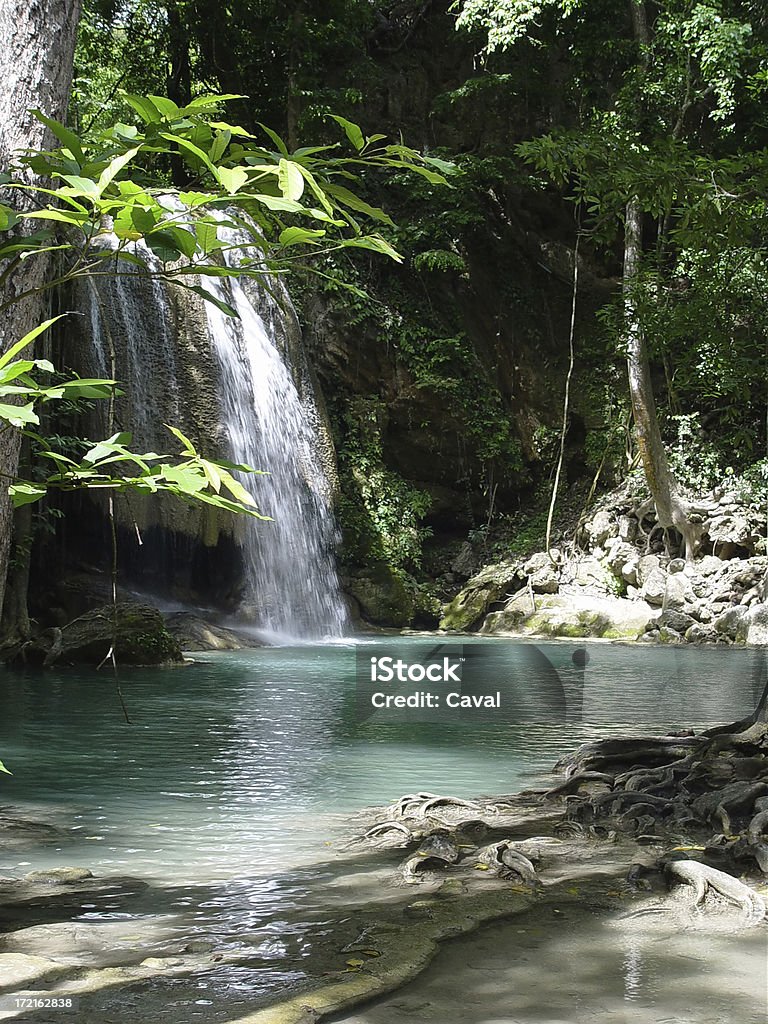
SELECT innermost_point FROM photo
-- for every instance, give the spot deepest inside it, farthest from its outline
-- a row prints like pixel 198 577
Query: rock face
pixel 137 631
pixel 489 586
pixel 380 596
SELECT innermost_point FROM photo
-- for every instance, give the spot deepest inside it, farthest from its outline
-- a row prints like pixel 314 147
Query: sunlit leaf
pixel 353 132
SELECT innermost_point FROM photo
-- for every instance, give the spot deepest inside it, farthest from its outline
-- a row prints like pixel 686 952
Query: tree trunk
pixel 671 508
pixel 37 43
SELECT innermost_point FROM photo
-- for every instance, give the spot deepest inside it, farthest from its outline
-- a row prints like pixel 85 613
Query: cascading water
pixel 292 587
pixel 131 330
pixel 178 361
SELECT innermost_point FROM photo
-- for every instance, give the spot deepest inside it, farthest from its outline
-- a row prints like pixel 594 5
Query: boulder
pixel 699 634
pixel 542 573
pixel 733 623
pixel 678 592
pixel 600 528
pixel 382 596
pixel 627 526
pixel 194 633
pixel 673 619
pixel 622 559
pixel 488 587
pixel 590 572
pixel 136 631
pixel 669 636
pixel 708 565
pixel 757 624
pixel 730 531
pixel 465 562
pixel 59 876
pixel 645 566
pixel 654 587
pixel 576 614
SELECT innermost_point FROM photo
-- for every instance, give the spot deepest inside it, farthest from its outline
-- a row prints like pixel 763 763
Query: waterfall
pixel 131 330
pixel 242 388
pixel 292 586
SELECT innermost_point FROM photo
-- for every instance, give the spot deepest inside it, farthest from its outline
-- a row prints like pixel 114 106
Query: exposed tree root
pixel 437 851
pixel 704 878
pixel 507 862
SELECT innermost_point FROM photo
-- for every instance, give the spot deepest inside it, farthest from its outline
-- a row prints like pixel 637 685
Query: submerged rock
pixel 59 876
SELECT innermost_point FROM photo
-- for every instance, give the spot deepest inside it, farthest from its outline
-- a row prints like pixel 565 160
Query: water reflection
pixel 237 773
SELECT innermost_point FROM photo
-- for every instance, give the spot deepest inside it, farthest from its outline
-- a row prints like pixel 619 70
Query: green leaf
pixel 210 297
pixel 4 769
pixel 207 236
pixel 166 107
pixel 353 132
pixel 233 178
pixel 7 217
pixel 185 240
pixel 375 243
pixel 318 191
pixel 347 198
pixel 218 501
pixel 62 216
pixel 104 448
pixel 278 203
pixel 24 493
pixel 27 339
pixel 189 479
pixel 144 107
pixel 194 150
pixel 80 186
pixel 189 448
pixel 295 236
pixel 275 138
pixel 290 180
pixel 167 245
pixel 144 220
pixel 12 371
pixel 109 173
pixel 236 489
pixel 220 143
pixel 233 129
pixel 18 415
pixel 210 102
pixel 87 387
pixel 64 135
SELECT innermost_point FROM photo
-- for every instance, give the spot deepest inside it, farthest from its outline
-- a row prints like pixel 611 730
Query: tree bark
pixel 37 43
pixel 671 508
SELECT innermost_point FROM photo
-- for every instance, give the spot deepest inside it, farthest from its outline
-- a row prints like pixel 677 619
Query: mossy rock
pixel 383 596
pixel 488 587
pixel 137 632
pixel 569 615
